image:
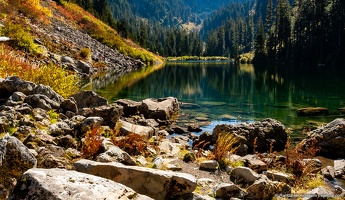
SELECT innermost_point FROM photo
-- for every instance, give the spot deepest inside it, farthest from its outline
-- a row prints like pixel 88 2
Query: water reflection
pixel 244 92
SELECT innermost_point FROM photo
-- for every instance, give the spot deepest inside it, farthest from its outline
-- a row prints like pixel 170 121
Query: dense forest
pixel 295 31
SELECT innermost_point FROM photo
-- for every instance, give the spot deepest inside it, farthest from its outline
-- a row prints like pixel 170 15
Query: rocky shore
pixel 84 147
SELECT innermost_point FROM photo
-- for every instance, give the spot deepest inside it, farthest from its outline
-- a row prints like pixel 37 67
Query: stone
pixel 126 128
pixel 157 162
pixel 15 99
pixel 67 59
pixel 48 92
pixel 113 153
pixel 157 184
pixel 327 141
pixel 319 193
pixel 65 184
pixel 262 189
pixel 69 105
pixel 66 141
pixel 4 39
pixel 162 108
pixel 228 190
pixel 129 107
pixel 211 165
pixel 268 134
pixel 38 138
pixel 89 99
pixel 12 84
pixel 15 159
pixel 52 156
pixel 312 111
pixel 85 67
pixel 339 168
pixel 280 176
pixel 60 128
pixel 254 163
pixel 194 128
pixel 243 175
pixel 90 123
pixel 328 172
pixel 41 101
pixel 24 109
pixel 179 129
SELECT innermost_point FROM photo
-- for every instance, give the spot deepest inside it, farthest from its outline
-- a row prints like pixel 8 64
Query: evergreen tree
pixel 260 53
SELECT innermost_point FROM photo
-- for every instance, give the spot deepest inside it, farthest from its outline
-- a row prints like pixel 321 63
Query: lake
pixel 222 92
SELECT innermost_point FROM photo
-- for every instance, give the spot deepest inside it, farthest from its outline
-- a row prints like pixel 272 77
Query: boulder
pixel 41 101
pixel 90 123
pixel 15 159
pixel 265 135
pixel 160 109
pixel 89 99
pixel 211 165
pixel 126 128
pixel 67 59
pixel 328 172
pixel 57 184
pixel 15 99
pixel 229 190
pixel 48 92
pixel 85 67
pixel 319 193
pixel 52 156
pixel 60 128
pixel 66 141
pixel 243 175
pixel 12 84
pixel 279 176
pixel 262 189
pixel 204 141
pixel 327 141
pixel 194 128
pixel 69 105
pixel 129 107
pixel 110 113
pixel 254 163
pixel 339 168
pixel 157 184
pixel 112 153
pixel 312 111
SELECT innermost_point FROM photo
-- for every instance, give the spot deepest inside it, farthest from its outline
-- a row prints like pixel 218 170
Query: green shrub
pixel 21 37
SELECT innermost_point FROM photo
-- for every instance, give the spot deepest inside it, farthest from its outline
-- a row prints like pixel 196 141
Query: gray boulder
pixel 126 128
pixel 265 133
pixel 318 193
pixel 243 175
pixel 279 176
pixel 160 109
pixel 89 99
pixel 339 168
pixel 228 190
pixel 327 141
pixel 60 128
pixel 15 99
pixel 85 67
pixel 41 101
pixel 15 159
pixel 328 172
pixel 129 107
pixel 155 183
pixel 69 105
pixel 91 122
pixel 67 59
pixel 109 113
pixel 262 189
pixel 12 84
pixel 254 163
pixel 56 184
pixel 47 91
pixel 209 165
pixel 113 153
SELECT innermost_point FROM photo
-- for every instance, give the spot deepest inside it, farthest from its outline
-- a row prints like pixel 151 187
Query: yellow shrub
pixel 54 76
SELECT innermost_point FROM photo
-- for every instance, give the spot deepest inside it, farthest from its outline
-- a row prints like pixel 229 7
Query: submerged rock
pixel 312 111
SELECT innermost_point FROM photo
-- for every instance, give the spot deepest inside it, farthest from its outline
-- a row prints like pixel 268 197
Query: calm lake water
pixel 222 92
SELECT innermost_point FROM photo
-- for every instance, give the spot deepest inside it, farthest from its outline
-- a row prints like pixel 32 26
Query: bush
pixel 21 37
pixel 85 53
pixel 92 143
pixel 51 75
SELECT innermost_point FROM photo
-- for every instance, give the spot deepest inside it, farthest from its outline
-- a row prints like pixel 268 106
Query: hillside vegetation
pixel 35 49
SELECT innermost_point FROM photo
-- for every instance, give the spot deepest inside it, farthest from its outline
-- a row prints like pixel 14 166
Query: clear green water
pixel 225 93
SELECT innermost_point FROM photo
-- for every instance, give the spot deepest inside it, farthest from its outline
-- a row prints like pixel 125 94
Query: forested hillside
pixel 275 30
